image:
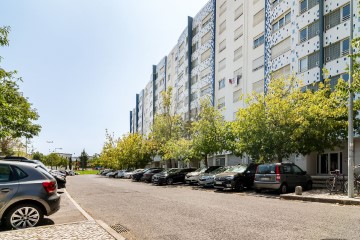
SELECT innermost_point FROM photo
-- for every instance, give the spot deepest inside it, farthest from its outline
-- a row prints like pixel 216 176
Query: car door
pixel 299 176
pixel 289 175
pixel 8 184
pixel 250 175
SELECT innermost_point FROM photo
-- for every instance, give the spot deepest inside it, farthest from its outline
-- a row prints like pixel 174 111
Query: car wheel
pixel 283 188
pixel 239 186
pixel 308 185
pixel 170 181
pixel 23 216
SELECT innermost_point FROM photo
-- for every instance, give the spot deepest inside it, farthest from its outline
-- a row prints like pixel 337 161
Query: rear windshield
pixel 44 172
pixel 238 168
pixel 218 170
pixel 266 169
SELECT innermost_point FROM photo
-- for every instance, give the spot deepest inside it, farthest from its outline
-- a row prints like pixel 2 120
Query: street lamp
pixel 351 111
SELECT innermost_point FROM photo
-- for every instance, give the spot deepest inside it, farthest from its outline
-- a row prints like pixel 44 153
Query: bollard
pixel 298 190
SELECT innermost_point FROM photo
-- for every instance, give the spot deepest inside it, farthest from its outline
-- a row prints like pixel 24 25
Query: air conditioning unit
pixel 317 63
pixel 318 31
pixel 328 27
pixel 327 59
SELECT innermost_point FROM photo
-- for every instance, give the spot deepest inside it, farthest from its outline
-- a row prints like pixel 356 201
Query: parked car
pixel 208 179
pixel 59 177
pixel 129 174
pixel 237 177
pixel 281 177
pixel 137 176
pixel 170 177
pixel 193 177
pixel 28 192
pixel 150 173
pixel 121 173
pixel 112 174
pixel 157 178
pixel 106 171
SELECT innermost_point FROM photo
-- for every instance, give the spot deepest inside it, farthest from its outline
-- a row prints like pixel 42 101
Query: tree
pixel 290 120
pixel 209 132
pixel 84 157
pixel 180 149
pixel 38 156
pixel 16 113
pixel 167 126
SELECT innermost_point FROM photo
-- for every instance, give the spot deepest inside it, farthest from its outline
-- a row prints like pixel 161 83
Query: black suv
pixel 170 177
pixel 60 179
pixel 237 177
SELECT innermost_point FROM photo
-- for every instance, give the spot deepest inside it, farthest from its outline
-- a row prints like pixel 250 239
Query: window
pixel 259 40
pixel 282 21
pixel 205 38
pixel 5 173
pixel 236 95
pixel 222 8
pixel 205 73
pixel 258 86
pixel 222 45
pixel 238 12
pixel 194 80
pixel 222 64
pixel 328 162
pixel 194 47
pixel 281 48
pixel 221 102
pixel 193 97
pixel 307 4
pixel 310 31
pixel 237 76
pixel 337 16
pixel 222 83
pixel 181 61
pixel 258 17
pixel 181 47
pixel 205 55
pixel 284 71
pixel 195 31
pixel 206 20
pixel 181 90
pixel 258 63
pixel 237 53
pixel 309 62
pixel 238 32
pixel 222 27
pixel 337 50
pixel 194 63
pixel 205 90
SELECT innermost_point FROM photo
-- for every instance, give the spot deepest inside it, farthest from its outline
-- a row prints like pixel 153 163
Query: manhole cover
pixel 119 228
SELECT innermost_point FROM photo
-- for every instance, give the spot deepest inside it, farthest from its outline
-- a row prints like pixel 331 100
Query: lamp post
pixel 351 111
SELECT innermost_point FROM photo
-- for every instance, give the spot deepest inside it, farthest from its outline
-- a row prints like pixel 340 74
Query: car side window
pixel 296 169
pixel 20 173
pixel 6 174
pixel 287 169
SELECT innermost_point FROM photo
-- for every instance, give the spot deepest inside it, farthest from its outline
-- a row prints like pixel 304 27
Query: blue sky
pixel 83 61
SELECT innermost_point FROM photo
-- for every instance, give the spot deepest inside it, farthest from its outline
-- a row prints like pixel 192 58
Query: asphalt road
pixel 184 212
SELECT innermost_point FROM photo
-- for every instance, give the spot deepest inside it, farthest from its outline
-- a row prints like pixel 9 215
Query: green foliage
pixel 54 160
pixel 16 113
pixel 38 156
pixel 180 149
pixel 84 157
pixel 290 120
pixel 209 132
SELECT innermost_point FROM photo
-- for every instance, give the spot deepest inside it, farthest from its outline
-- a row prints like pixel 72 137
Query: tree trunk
pixel 205 161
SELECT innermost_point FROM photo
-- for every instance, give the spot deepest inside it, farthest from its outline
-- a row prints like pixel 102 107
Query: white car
pixel 129 174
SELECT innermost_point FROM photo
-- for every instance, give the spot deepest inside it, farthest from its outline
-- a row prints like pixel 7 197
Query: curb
pixel 321 200
pixel 102 224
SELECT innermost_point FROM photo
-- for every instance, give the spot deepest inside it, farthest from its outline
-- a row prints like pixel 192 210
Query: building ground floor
pixel 315 164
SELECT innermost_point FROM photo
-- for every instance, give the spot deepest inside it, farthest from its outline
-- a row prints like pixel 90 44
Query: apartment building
pixel 239 60
pixel 232 48
pixel 301 38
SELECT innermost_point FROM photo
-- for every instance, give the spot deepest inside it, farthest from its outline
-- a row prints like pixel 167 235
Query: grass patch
pixel 84 172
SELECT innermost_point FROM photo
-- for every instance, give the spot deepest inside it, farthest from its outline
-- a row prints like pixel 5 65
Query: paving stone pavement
pixel 69 231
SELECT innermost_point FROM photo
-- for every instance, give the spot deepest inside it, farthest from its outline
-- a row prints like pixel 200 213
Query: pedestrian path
pixel 322 195
pixel 71 231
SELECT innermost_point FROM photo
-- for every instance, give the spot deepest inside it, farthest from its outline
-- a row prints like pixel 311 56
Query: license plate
pixel 265 179
pixel 217 182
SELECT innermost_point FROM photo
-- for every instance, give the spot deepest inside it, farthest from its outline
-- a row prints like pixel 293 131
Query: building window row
pixel 282 21
pixel 222 83
pixel 222 9
pixel 310 31
pixel 238 12
pixel 337 16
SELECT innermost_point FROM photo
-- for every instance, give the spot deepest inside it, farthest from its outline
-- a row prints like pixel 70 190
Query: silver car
pixel 281 177
pixel 27 193
pixel 208 179
pixel 193 177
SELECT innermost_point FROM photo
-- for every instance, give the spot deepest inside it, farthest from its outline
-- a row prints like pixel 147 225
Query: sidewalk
pixel 71 222
pixel 323 196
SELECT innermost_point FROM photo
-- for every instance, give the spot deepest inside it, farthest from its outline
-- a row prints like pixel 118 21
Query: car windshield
pixel 201 170
pixel 218 170
pixel 238 168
